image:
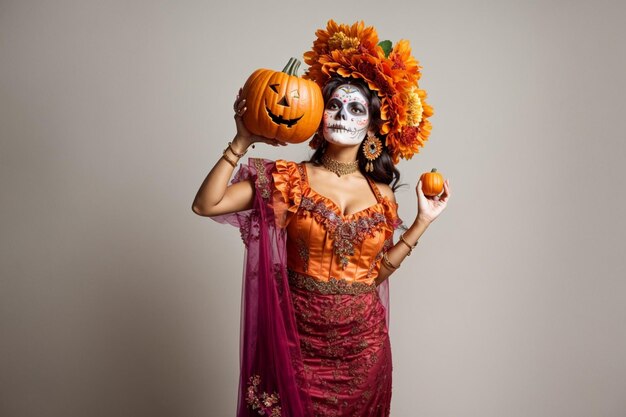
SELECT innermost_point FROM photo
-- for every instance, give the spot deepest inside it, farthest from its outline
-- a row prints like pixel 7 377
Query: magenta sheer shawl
pixel 272 378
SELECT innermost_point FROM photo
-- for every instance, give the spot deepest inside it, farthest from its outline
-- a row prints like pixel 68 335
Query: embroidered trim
pixel 332 286
pixel 265 404
pixel 262 181
pixel 344 342
pixel 303 251
pixel 345 234
pixel 379 256
pixel 249 227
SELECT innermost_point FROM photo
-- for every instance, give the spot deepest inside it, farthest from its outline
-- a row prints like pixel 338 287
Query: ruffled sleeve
pixel 391 214
pixel 257 171
pixel 287 192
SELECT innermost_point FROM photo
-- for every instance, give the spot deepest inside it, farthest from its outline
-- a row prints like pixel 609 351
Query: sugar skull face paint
pixel 346 116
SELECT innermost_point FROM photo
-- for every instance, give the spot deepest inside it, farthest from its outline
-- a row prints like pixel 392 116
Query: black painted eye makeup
pixel 358 108
pixel 334 104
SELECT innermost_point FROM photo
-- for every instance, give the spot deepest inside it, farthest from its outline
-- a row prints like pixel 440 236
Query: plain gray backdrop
pixel 117 300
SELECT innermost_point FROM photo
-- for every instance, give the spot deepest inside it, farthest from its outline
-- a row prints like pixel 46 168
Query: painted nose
pixel 341 115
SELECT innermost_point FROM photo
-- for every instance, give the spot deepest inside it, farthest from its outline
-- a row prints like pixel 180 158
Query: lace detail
pixel 249 228
pixel 332 286
pixel 262 181
pixel 303 251
pixel 345 233
pixel 264 403
pixel 345 346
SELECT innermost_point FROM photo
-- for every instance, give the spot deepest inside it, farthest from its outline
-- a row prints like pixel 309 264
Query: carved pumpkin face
pixel 281 105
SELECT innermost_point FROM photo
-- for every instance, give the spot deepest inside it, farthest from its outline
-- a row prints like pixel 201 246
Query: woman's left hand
pixel 429 208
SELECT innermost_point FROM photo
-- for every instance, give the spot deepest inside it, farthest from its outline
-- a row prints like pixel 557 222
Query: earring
pixel 372 148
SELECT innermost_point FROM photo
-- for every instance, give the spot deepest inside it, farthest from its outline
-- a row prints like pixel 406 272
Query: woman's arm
pixel 428 209
pixel 215 196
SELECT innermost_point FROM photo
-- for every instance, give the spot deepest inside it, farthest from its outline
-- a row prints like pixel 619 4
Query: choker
pixel 339 168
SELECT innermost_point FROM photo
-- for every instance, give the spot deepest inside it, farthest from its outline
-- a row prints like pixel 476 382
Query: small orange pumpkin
pixel 432 183
pixel 281 105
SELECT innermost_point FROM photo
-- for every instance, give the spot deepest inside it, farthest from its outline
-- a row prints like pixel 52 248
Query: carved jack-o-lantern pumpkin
pixel 281 105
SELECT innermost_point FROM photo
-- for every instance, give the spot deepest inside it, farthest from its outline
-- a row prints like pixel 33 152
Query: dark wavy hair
pixel 384 170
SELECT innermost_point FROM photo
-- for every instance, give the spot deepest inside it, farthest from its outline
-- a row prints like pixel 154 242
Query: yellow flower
pixel 338 43
pixel 414 108
pixel 341 41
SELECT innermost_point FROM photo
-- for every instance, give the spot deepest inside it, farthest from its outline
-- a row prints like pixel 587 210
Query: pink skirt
pixel 345 347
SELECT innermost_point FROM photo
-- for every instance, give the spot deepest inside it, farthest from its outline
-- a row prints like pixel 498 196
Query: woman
pixel 319 236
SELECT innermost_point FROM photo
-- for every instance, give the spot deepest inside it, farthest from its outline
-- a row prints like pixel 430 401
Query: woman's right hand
pixel 244 138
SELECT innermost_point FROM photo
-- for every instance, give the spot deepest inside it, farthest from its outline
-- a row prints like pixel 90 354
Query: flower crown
pixel 390 71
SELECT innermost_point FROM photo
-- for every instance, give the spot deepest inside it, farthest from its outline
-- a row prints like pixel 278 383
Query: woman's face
pixel 346 116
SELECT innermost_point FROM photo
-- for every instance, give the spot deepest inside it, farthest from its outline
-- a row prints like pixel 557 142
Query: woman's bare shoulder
pixel 386 191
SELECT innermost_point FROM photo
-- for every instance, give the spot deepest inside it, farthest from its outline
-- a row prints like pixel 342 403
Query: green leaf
pixel 387 47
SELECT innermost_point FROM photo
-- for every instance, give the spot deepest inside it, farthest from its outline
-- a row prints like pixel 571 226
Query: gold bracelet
pixel 227 159
pixel 388 263
pixel 403 240
pixel 238 155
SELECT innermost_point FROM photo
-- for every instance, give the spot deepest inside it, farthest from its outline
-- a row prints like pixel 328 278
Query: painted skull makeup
pixel 346 116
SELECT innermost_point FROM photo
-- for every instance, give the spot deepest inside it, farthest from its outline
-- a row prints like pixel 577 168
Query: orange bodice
pixel 323 243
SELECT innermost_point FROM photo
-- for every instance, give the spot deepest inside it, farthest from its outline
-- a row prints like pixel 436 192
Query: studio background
pixel 117 300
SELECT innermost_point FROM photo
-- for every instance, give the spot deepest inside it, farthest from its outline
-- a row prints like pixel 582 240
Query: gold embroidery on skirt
pixel 332 286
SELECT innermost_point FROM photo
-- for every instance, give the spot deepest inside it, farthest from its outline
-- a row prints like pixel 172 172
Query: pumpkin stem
pixel 292 67
pixel 433 170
